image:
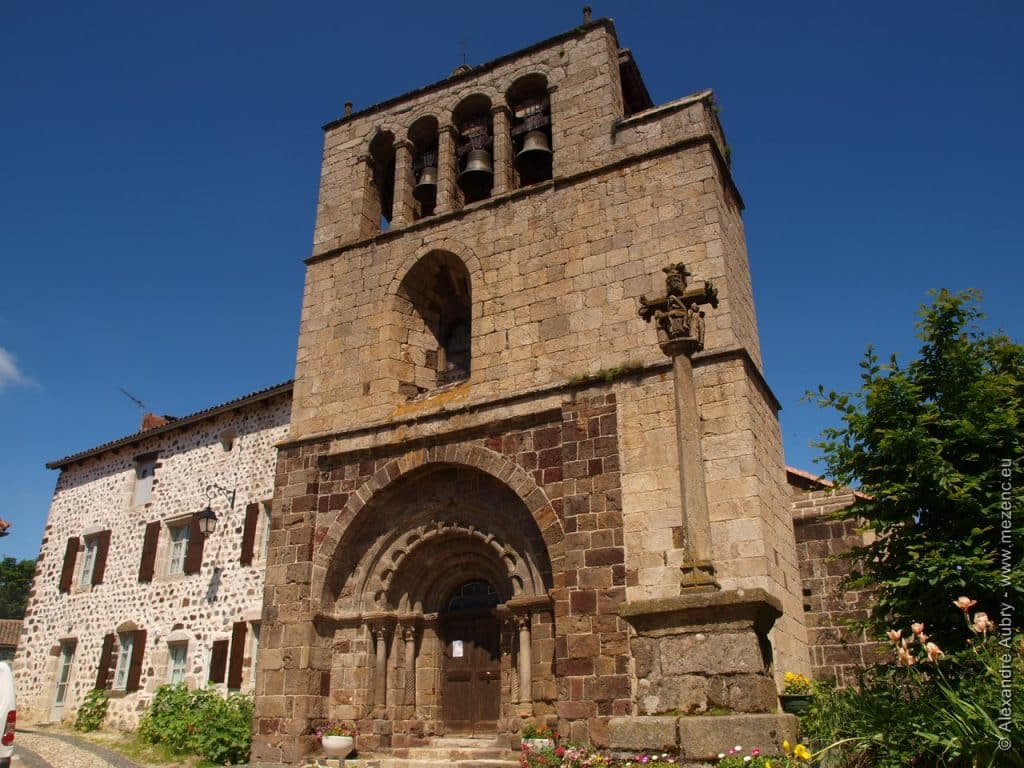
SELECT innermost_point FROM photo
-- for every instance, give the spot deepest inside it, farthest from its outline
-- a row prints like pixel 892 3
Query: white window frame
pixel 177 543
pixel 265 516
pixel 125 648
pixel 145 471
pixel 91 548
pixel 254 648
pixel 177 662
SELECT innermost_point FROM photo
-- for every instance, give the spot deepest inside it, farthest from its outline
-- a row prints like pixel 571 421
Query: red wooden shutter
pixel 67 573
pixel 237 654
pixel 149 551
pixel 135 669
pixel 102 545
pixel 106 654
pixel 218 661
pixel 194 552
pixel 252 515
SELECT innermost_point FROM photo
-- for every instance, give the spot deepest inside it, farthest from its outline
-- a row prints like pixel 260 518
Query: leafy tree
pixel 15 582
pixel 932 444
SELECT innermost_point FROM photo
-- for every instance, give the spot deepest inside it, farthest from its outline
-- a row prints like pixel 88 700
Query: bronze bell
pixel 533 161
pixel 476 177
pixel 425 190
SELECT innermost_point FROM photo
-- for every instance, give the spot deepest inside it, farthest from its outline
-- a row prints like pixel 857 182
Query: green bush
pixel 90 715
pixel 929 714
pixel 200 722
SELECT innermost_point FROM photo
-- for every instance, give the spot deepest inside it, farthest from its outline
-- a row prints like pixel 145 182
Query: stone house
pixel 529 470
pixel 128 592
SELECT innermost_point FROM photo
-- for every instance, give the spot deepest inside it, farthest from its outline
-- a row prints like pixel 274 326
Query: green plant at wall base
pixel 90 715
pixel 929 709
pixel 200 722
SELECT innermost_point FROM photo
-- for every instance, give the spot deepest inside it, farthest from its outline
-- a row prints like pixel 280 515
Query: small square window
pixel 176 667
pixel 92 545
pixel 179 546
pixel 125 646
pixel 145 470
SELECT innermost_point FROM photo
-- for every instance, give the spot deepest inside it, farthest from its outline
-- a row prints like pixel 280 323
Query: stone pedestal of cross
pixel 680 324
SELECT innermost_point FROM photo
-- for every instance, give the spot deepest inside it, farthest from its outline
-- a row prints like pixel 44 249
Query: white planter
pixel 535 745
pixel 337 746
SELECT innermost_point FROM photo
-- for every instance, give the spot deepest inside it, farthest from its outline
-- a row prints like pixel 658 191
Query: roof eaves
pixel 184 421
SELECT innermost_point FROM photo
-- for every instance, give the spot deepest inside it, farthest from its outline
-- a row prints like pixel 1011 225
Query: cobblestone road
pixel 39 749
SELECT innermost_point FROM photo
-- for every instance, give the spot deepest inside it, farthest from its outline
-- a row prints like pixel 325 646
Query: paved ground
pixel 43 749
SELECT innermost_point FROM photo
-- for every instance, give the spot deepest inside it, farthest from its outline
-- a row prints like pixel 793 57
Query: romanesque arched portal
pixel 433 585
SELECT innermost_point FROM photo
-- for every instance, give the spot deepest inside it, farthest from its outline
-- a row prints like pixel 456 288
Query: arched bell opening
pixel 423 134
pixel 380 198
pixel 435 335
pixel 530 128
pixel 474 145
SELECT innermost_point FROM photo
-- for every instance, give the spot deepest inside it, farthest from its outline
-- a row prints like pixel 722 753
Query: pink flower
pixel 933 651
pixel 894 635
pixel 906 658
pixel 917 627
pixel 755 751
pixel 964 603
pixel 982 623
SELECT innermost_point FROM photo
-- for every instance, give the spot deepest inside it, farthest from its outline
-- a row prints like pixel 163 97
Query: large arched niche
pixel 434 322
pixel 428 531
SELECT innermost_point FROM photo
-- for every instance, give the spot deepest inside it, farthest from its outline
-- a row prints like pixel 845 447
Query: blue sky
pixel 160 164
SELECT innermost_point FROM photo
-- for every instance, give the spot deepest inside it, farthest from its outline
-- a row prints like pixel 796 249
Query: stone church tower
pixel 534 472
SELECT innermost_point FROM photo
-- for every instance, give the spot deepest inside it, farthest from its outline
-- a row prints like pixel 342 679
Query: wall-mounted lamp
pixel 207 521
pixel 208 518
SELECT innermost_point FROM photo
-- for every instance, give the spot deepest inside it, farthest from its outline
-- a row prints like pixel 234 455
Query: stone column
pixel 380 673
pixel 525 660
pixel 404 203
pixel 697 571
pixel 447 169
pixel 503 169
pixel 409 636
pixel 680 325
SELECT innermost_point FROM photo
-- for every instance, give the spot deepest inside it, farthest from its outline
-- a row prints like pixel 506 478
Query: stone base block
pixel 701 738
pixel 636 734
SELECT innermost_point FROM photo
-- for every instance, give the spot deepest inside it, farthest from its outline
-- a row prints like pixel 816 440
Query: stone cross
pixel 680 325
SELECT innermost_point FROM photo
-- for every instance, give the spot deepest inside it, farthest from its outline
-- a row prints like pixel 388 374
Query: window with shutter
pixel 194 551
pixel 145 471
pixel 252 516
pixel 125 646
pixel 67 573
pixel 237 654
pixel 178 653
pixel 138 651
pixel 106 655
pixel 102 548
pixel 179 547
pixel 92 545
pixel 149 544
pixel 218 661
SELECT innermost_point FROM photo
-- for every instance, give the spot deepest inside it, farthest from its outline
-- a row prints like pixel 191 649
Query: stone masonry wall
pixel 838 650
pixel 96 494
pixel 581 668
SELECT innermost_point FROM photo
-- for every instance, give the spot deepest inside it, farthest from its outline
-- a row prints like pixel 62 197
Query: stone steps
pixel 461 752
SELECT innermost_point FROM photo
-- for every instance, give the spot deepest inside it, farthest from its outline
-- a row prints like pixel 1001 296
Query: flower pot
pixel 795 703
pixel 535 745
pixel 337 746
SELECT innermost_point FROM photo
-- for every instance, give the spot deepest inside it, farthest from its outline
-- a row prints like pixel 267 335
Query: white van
pixel 9 713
